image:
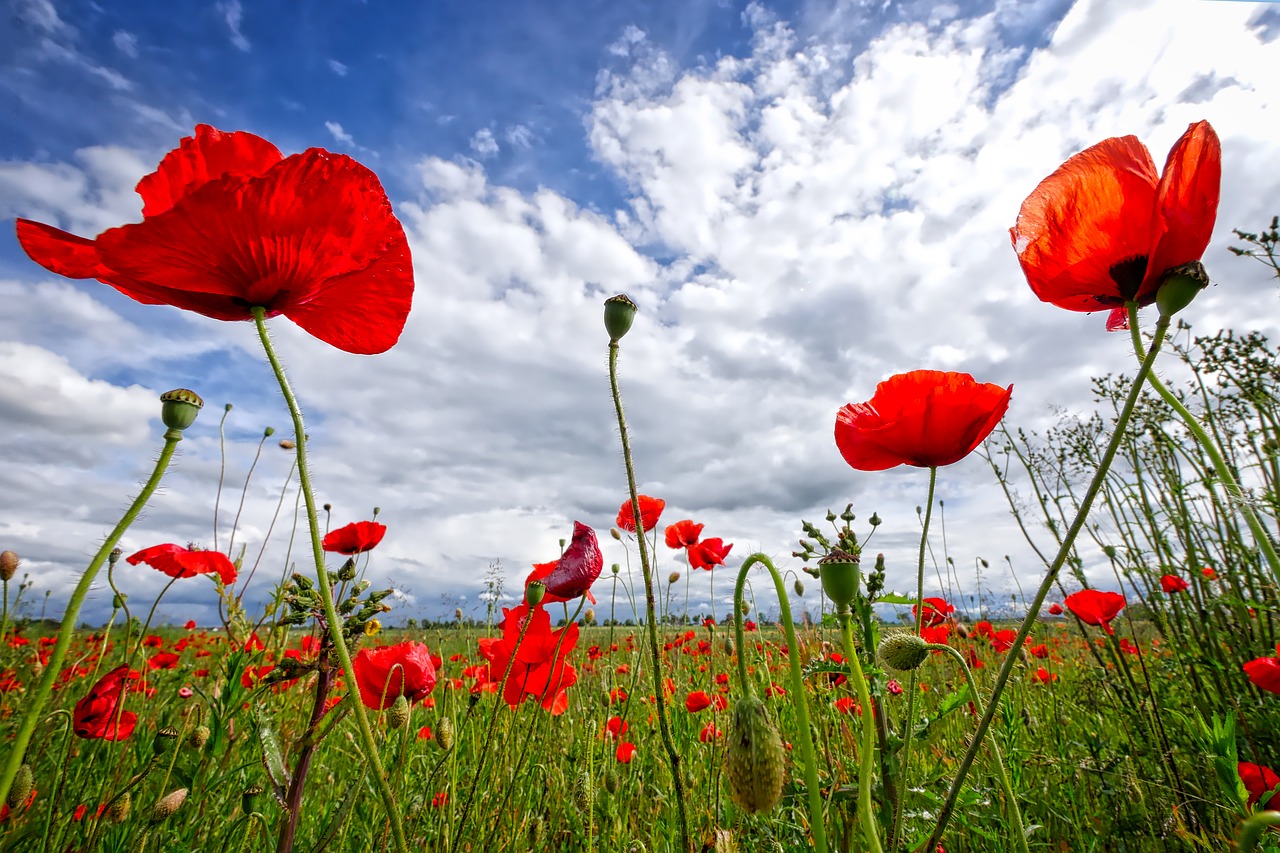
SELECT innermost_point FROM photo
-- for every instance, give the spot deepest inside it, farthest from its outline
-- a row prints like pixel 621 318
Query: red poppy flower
pixel 577 569
pixel 925 418
pixel 1104 229
pixel 936 611
pixel 382 674
pixel 164 660
pixel 1095 607
pixel 615 728
pixel 683 533
pixel 191 625
pixel 625 752
pixel 707 553
pixel 230 224
pixel 697 701
pixel 1209 574
pixel 355 538
pixel 1265 672
pixel 1055 609
pixel 1257 781
pixel 1043 676
pixel 1002 640
pixel 1173 583
pixel 540 669
pixel 98 715
pixel 178 562
pixel 650 510
pixel 709 733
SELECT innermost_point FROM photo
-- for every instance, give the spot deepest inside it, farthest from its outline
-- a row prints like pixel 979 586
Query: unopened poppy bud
pixel 178 408
pixel 1179 286
pixel 840 575
pixel 589 616
pixel 728 645
pixel 118 600
pixel 248 800
pixel 903 652
pixel 348 570
pixel 534 592
pixel 444 733
pixel 171 802
pixel 619 314
pixel 119 808
pixel 268 432
pixel 611 781
pixel 8 565
pixel 673 577
pixel 615 568
pixel 582 791
pixel 398 713
pixel 23 781
pixel 615 533
pixel 798 587
pixel 287 444
pixel 198 738
pixel 1110 551
pixel 754 767
pixel 874 520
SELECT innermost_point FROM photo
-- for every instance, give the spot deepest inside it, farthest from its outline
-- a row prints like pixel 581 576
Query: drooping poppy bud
pixel 754 761
pixel 903 652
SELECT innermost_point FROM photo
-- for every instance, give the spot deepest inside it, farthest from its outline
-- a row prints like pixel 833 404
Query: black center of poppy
pixel 1127 275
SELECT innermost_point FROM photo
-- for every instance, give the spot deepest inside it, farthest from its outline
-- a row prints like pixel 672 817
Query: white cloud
pixel 519 136
pixel 340 135
pixel 233 16
pixel 483 143
pixel 337 68
pixel 126 43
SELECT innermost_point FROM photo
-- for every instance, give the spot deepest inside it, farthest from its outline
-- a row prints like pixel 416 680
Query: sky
pixel 803 198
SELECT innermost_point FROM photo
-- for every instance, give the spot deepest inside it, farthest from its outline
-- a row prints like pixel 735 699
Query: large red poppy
pixel 98 715
pixel 708 553
pixel 1104 229
pixel 650 511
pixel 384 673
pixel 230 224
pixel 539 669
pixel 1257 781
pixel 577 569
pixel 1173 583
pixel 178 562
pixel 925 418
pixel 355 538
pixel 683 533
pixel 936 611
pixel 1095 607
pixel 1265 672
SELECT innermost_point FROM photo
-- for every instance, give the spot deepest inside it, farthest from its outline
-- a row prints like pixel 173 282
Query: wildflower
pixel 1043 676
pixel 540 668
pixel 229 224
pixel 709 733
pixel 1095 607
pixel 98 715
pixel 925 418
pixel 164 660
pixel 625 751
pixel 893 687
pixel 355 538
pixel 1258 780
pixel 707 553
pixel 650 511
pixel 615 728
pixel 682 534
pixel 845 704
pixel 1209 574
pixel 1055 609
pixel 936 611
pixel 1173 583
pixel 1265 672
pixel 577 569
pixel 387 672
pixel 697 701
pixel 178 562
pixel 1104 229
pixel 424 733
pixel 191 625
pixel 1002 640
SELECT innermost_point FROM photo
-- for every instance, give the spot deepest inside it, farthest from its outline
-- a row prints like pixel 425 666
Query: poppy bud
pixel 616 568
pixel 590 616
pixel 8 565
pixel 118 600
pixel 198 738
pixel 287 444
pixel 754 765
pixel 119 808
pixel 21 787
pixel 178 408
pixel 798 587
pixel 673 577
pixel 398 713
pixel 444 733
pixel 268 432
pixel 610 781
pixel 1110 551
pixel 348 570
pixel 903 652
pixel 840 577
pixel 169 804
pixel 728 645
pixel 615 533
pixel 534 592
pixel 619 314
pixel 582 791
pixel 1179 286
pixel 248 800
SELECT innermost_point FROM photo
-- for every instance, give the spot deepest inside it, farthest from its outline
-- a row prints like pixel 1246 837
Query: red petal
pixel 60 252
pixel 206 156
pixel 1092 213
pixel 1186 202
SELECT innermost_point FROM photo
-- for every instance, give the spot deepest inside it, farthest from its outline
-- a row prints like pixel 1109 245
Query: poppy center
pixel 1128 275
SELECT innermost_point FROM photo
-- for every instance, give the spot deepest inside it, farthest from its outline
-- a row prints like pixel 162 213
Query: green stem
pixel 659 699
pixel 1235 494
pixel 370 746
pixel 909 724
pixel 1064 550
pixel 35 704
pixel 1015 813
pixel 797 688
pixel 867 753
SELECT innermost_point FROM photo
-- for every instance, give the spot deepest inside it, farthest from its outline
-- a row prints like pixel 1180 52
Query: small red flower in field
pixel 697 701
pixel 983 629
pixel 936 611
pixel 191 625
pixel 1040 651
pixel 1265 672
pixel 709 733
pixel 846 704
pixel 625 752
pixel 9 682
pixel 355 538
pixel 683 533
pixel 650 511
pixel 382 674
pixel 925 418
pixel 164 660
pixel 893 687
pixel 748 626
pixel 1096 607
pixel 1128 647
pixel 153 641
pixel 1209 574
pixel 1257 781
pixel 178 562
pixel 185 692
pixel 540 669
pixel 98 715
pixel 1002 640
pixel 577 569
pixel 1173 583
pixel 424 733
pixel 1104 229
pixel 439 799
pixel 1043 676
pixel 936 634
pixel 229 224
pixel 707 553
pixel 1055 609
pixel 615 728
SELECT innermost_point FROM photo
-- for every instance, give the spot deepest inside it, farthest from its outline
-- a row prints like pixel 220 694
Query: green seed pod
pixel 611 781
pixel 754 765
pixel 619 314
pixel 178 408
pixel 23 781
pixel 903 652
pixel 673 577
pixel 841 576
pixel 534 592
pixel 348 570
pixel 444 733
pixel 1181 285
pixel 728 645
pixel 165 738
pixel 398 713
pixel 119 810
pixel 248 800
pixel 798 587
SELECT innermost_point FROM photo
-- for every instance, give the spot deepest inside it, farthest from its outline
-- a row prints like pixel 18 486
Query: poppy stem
pixel 812 787
pixel 370 746
pixel 659 698
pixel 909 726
pixel 1064 551
pixel 1235 495
pixel 53 669
pixel 868 751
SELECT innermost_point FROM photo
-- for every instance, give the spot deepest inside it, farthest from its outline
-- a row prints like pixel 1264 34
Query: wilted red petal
pixel 207 155
pixel 577 569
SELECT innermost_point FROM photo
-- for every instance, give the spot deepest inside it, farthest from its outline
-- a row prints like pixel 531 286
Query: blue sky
pixel 803 197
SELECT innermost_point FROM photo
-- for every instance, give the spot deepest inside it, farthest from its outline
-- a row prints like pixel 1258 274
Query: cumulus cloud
pixel 483 143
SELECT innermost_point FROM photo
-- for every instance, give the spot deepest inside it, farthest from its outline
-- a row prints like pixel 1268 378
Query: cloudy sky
pixel 803 198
